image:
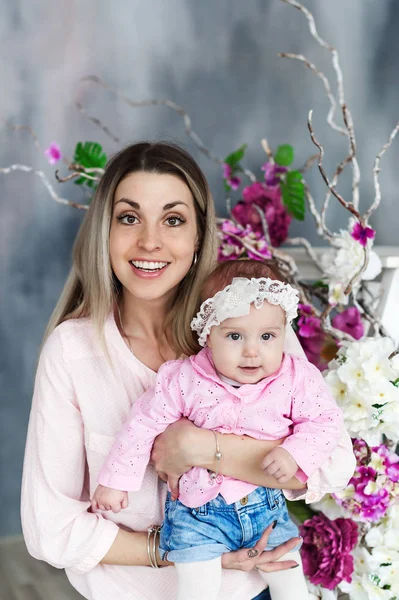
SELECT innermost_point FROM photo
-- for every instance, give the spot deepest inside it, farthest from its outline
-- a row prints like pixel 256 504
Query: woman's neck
pixel 143 319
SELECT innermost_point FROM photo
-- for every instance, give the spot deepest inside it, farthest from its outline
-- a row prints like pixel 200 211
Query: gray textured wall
pixel 218 60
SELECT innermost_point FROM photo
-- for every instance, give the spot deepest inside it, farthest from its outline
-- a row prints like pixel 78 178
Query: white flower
pixel 329 507
pixel 348 259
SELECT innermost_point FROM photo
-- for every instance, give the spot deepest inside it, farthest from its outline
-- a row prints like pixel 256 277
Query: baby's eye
pixel 267 336
pixel 234 336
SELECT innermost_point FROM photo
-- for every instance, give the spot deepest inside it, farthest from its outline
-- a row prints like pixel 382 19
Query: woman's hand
pixel 173 453
pixel 257 557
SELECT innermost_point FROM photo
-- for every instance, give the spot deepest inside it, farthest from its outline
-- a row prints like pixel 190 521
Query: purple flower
pixel 373 491
pixel 362 234
pixel 272 173
pixel 350 322
pixel 268 199
pixel 53 153
pixel 231 248
pixel 311 335
pixel 232 180
pixel 326 550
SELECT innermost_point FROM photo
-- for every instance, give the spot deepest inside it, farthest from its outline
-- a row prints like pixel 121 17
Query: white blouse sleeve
pixel 54 507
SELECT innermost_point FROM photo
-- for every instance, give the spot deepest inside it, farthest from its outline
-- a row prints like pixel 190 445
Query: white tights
pixel 202 580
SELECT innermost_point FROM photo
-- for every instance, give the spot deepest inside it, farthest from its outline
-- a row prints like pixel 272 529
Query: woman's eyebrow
pixel 136 205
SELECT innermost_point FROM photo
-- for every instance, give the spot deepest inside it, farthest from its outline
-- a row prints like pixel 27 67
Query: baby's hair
pixel 225 272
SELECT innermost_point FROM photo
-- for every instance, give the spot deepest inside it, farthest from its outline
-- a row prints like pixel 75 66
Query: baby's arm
pixel 317 423
pixel 126 463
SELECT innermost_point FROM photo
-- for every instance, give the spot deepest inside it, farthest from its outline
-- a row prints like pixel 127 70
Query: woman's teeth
pixel 148 266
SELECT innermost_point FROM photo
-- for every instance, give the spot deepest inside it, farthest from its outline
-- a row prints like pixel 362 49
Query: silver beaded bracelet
pixel 152 545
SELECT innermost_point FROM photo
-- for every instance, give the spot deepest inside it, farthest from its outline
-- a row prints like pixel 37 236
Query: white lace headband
pixel 235 301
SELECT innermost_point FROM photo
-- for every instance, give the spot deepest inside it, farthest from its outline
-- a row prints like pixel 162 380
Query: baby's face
pixel 249 348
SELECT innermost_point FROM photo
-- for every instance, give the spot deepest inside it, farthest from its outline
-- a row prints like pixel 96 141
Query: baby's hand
pixel 280 464
pixel 106 498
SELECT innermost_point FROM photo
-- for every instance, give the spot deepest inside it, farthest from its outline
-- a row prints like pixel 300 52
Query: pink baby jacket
pixel 294 403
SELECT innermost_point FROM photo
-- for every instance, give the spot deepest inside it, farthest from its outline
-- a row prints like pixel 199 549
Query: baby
pixel 241 383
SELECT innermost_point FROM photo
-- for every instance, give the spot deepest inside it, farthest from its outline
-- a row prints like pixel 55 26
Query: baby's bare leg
pixel 287 584
pixel 199 580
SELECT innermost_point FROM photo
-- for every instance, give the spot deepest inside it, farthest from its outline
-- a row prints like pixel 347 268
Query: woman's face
pixel 153 234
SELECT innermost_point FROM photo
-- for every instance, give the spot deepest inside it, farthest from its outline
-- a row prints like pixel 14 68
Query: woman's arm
pixel 183 445
pixel 130 548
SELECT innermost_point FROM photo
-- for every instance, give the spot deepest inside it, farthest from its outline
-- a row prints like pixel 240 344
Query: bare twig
pixel 322 229
pixel 50 189
pixel 24 128
pixel 97 122
pixel 268 151
pixel 347 205
pixel 309 163
pixel 265 226
pixel 175 107
pixel 300 241
pixel 74 175
pixel 376 170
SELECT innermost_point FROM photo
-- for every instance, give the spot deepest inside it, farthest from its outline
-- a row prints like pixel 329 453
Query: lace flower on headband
pixel 235 301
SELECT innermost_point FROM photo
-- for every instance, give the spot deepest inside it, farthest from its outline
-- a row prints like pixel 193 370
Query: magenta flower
pixel 272 173
pixel 349 321
pixel 372 491
pixel 231 248
pixel 232 180
pixel 362 234
pixel 311 335
pixel 326 550
pixel 268 199
pixel 53 153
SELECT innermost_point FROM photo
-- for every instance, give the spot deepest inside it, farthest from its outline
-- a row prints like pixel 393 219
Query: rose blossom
pixel 326 550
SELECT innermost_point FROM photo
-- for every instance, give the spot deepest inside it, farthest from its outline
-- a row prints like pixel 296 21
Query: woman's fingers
pixel 279 551
pixel 272 567
pixel 262 542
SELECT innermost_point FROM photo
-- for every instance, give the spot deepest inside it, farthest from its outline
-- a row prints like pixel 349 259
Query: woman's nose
pixel 149 239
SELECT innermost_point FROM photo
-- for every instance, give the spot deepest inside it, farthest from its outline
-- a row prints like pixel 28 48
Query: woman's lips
pixel 148 274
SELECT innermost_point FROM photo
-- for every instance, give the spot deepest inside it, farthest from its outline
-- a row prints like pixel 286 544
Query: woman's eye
pixel 174 221
pixel 127 219
pixel 267 336
pixel 234 336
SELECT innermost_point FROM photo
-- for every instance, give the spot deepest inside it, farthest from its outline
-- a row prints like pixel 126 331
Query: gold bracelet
pixel 152 549
pixel 218 456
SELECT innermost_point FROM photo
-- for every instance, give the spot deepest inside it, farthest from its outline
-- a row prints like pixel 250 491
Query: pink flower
pixel 349 321
pixel 233 181
pixel 311 335
pixel 362 234
pixel 268 199
pixel 272 173
pixel 326 550
pixel 373 491
pixel 231 248
pixel 53 153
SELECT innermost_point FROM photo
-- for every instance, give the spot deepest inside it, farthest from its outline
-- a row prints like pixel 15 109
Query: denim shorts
pixel 206 532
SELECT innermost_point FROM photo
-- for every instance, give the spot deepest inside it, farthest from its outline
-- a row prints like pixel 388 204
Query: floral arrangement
pixel 350 538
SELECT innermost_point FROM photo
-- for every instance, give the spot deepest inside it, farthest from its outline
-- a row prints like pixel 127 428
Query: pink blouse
pixel 80 402
pixel 294 403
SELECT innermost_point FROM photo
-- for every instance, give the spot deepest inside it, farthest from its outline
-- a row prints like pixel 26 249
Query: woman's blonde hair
pixel 92 290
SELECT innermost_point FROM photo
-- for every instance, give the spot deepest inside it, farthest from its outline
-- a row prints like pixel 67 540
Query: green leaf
pixel 235 157
pixel 396 382
pixel 293 194
pixel 89 155
pixel 319 284
pixel 377 406
pixel 284 155
pixel 300 510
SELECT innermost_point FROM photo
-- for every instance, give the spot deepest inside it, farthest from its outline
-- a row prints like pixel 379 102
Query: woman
pixel 141 255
